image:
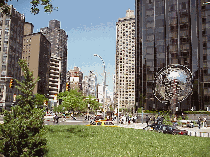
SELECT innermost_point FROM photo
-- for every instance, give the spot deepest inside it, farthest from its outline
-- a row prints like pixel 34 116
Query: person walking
pixel 147 119
pixel 56 118
pixel 154 119
pixel 64 117
pixel 199 122
pixel 135 119
pixel 205 123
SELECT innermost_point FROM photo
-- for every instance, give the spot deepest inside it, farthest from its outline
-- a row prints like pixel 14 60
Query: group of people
pixel 200 120
pixel 128 119
pixel 56 117
pixel 159 119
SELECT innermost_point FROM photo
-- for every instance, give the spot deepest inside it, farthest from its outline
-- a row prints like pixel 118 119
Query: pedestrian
pixel 205 123
pixel 56 118
pixel 135 118
pixel 129 121
pixel 154 119
pixel 199 122
pixel 147 119
pixel 64 117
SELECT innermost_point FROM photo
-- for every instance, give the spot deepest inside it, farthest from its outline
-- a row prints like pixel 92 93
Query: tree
pixel 75 101
pixel 48 7
pixel 94 104
pixel 40 100
pixel 71 100
pixel 23 128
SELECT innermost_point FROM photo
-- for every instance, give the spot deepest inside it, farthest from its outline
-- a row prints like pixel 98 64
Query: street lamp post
pixel 104 82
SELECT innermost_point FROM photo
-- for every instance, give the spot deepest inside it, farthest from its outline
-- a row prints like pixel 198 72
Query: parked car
pixel 172 130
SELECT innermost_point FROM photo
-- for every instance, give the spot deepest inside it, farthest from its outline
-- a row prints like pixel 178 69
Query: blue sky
pixel 90 25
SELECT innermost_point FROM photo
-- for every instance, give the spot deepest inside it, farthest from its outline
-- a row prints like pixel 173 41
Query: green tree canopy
pixel 71 100
pixel 75 101
pixel 48 7
pixel 94 104
pixel 40 100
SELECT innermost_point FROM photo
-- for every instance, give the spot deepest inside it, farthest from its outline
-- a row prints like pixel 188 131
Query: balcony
pixel 53 92
pixel 54 72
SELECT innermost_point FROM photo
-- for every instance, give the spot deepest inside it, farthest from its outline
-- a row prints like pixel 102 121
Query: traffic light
pixel 67 86
pixel 11 84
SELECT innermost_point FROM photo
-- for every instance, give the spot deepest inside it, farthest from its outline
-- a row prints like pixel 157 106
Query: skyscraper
pixel 89 85
pixel 11 32
pixel 125 61
pixel 171 32
pixel 58 39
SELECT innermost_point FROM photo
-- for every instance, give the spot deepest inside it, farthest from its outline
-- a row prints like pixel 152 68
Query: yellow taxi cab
pixel 102 123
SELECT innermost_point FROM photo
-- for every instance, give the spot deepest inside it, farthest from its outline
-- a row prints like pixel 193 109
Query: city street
pixel 203 132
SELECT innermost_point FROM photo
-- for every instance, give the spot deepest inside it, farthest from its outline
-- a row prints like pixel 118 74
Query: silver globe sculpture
pixel 173 84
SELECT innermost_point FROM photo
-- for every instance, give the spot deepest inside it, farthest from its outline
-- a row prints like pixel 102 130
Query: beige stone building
pixel 36 51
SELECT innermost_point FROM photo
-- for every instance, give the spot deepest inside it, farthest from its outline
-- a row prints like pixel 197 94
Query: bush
pixel 139 110
pixel 167 120
pixel 23 127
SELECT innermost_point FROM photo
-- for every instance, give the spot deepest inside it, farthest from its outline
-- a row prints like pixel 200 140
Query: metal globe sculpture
pixel 173 84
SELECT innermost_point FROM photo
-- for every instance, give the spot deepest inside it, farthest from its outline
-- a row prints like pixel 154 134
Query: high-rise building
pixel 100 93
pixel 85 85
pixel 89 85
pixel 74 77
pixel 125 61
pixel 11 32
pixel 54 81
pixel 58 39
pixel 172 32
pixel 36 52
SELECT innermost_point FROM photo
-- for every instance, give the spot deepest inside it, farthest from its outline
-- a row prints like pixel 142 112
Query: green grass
pixel 84 141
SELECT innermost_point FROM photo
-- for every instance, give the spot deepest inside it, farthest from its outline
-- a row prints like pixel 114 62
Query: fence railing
pixel 198 134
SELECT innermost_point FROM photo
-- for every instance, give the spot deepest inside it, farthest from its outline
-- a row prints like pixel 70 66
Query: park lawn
pixel 84 141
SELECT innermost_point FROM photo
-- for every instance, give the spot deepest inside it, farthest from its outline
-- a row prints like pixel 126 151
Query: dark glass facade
pixel 172 32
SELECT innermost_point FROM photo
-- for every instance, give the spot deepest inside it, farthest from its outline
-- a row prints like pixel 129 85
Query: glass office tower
pixel 172 32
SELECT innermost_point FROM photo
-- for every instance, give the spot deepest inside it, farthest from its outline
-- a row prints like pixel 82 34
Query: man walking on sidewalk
pixel 199 122
pixel 147 119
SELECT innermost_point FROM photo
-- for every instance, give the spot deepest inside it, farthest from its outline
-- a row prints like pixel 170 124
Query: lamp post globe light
pixel 104 82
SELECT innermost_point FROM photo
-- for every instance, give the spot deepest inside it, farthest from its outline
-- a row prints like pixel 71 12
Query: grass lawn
pixel 84 141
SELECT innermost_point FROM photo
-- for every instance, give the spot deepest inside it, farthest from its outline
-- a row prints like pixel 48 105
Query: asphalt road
pixel 68 121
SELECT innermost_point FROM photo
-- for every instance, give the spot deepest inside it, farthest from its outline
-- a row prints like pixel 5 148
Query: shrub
pixel 167 120
pixel 139 110
pixel 23 127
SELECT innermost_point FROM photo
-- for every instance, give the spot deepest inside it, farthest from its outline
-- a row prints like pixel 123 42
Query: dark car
pixel 153 126
pixel 98 117
pixel 172 130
